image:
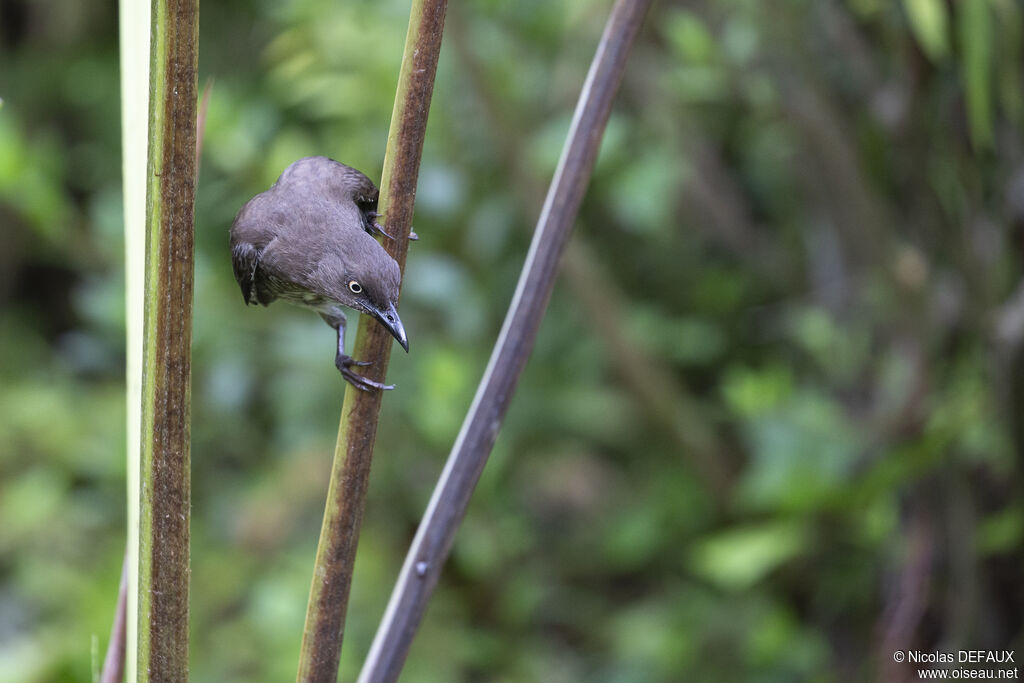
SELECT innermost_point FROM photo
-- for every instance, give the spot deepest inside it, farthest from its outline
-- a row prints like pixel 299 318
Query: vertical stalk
pixel 447 506
pixel 163 559
pixel 114 662
pixel 134 17
pixel 350 472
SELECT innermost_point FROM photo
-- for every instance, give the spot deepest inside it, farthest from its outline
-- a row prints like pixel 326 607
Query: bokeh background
pixel 772 428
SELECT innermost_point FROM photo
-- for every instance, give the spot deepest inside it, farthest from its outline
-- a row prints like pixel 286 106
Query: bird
pixel 309 241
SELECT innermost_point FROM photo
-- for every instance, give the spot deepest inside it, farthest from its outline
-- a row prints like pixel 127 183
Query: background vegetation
pixel 772 428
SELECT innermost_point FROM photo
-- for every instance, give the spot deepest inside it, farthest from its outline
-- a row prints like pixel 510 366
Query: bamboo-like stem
pixel 163 558
pixel 134 32
pixel 350 472
pixel 447 506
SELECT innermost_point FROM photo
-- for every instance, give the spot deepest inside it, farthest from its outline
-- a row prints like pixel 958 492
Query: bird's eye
pixel 354 287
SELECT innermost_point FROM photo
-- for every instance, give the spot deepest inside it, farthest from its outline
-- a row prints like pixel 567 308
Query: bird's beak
pixel 393 324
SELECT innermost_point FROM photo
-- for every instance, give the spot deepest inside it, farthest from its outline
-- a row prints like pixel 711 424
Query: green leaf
pixel 753 393
pixel 690 37
pixel 929 22
pixel 976 42
pixel 1002 532
pixel 739 558
pixel 1008 59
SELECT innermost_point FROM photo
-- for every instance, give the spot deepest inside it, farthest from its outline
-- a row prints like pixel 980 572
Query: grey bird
pixel 308 240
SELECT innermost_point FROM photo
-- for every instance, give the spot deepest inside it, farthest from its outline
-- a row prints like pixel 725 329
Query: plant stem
pixel 163 559
pixel 134 34
pixel 350 472
pixel 665 401
pixel 447 506
pixel 113 662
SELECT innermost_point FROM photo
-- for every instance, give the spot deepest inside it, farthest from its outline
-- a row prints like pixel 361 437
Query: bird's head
pixel 369 284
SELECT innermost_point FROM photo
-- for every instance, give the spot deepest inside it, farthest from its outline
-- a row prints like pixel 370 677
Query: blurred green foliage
pixel 799 260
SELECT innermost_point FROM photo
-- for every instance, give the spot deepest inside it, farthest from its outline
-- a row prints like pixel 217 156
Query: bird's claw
pixel 377 229
pixel 345 364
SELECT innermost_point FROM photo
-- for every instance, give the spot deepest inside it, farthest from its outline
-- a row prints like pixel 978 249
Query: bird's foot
pixel 345 363
pixel 377 229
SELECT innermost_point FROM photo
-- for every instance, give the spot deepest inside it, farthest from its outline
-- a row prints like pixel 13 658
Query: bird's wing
pixel 245 258
pixel 330 179
pixel 252 234
pixel 364 191
pixel 357 186
pixel 366 195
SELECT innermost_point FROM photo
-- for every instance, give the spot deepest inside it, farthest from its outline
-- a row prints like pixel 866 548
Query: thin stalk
pixel 665 401
pixel 113 662
pixel 350 472
pixel 134 30
pixel 447 507
pixel 163 558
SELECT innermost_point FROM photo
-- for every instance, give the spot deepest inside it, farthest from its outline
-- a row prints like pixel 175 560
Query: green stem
pixel 163 558
pixel 350 472
pixel 134 33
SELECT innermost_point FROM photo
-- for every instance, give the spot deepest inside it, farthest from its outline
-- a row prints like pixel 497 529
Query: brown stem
pixel 907 604
pixel 350 472
pixel 448 505
pixel 165 476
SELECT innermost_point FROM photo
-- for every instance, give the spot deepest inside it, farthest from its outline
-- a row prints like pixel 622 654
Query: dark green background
pixel 772 427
